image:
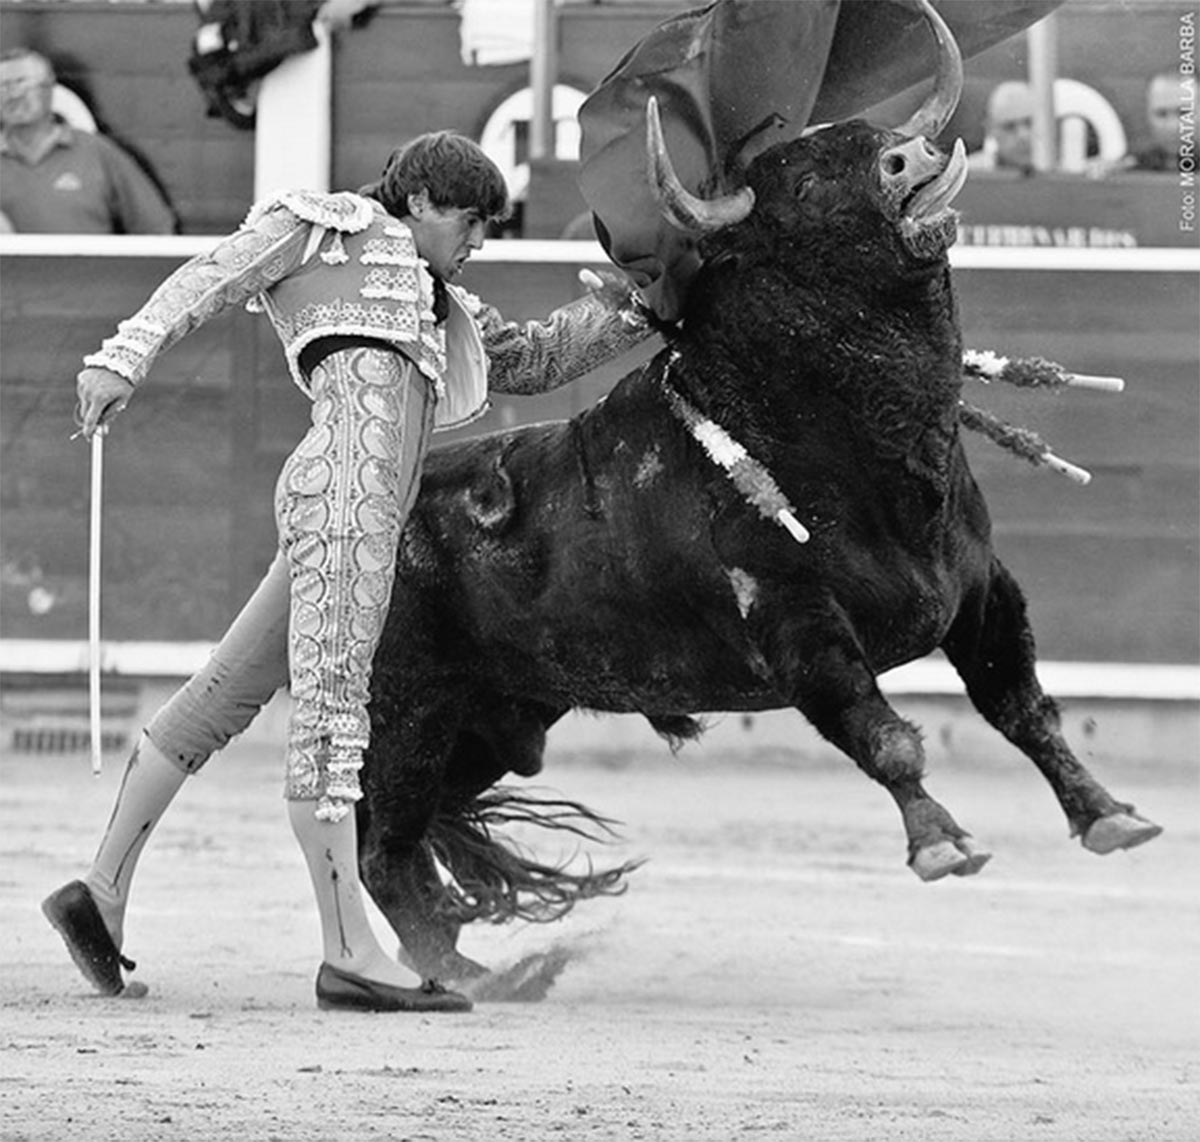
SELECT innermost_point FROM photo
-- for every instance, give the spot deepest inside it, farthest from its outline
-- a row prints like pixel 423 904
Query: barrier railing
pixel 1146 259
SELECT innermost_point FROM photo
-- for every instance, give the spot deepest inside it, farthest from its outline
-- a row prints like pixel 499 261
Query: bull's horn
pixel 931 117
pixel 678 205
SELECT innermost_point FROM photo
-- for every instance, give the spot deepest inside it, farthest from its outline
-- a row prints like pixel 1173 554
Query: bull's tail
pixel 677 729
pixel 493 879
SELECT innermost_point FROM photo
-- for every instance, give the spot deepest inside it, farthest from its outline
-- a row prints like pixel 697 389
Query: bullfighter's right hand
pixel 102 394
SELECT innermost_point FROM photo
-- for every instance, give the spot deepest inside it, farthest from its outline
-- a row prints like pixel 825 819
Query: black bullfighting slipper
pixel 339 990
pixel 74 915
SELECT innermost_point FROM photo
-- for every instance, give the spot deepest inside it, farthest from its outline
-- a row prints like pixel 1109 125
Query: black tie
pixel 441 303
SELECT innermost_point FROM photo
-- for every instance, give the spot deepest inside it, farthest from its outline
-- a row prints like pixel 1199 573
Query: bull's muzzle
pixel 921 179
pixel 908 165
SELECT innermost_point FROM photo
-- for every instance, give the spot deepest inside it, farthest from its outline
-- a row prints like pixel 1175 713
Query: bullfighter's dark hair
pixel 452 168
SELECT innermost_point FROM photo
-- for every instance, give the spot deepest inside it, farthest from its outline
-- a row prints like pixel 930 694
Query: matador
pixel 358 288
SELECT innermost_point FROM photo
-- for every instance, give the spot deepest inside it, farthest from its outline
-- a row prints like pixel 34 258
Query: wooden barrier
pixel 1111 569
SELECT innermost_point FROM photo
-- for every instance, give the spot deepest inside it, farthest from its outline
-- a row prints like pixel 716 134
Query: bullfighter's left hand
pixel 616 291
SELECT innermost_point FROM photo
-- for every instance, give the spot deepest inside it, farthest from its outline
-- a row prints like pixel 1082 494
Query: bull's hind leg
pixel 837 692
pixel 991 646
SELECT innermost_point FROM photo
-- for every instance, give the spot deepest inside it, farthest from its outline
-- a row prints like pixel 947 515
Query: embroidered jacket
pixel 326 264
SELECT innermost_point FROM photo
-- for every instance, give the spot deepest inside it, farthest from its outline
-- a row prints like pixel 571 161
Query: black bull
pixel 608 563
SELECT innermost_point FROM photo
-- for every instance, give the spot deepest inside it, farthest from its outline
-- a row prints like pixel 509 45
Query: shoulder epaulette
pixel 344 211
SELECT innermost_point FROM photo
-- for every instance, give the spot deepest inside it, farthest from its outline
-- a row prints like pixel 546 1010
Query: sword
pixel 94 594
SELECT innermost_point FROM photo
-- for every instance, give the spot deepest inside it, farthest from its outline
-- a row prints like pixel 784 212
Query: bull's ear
pixel 719 257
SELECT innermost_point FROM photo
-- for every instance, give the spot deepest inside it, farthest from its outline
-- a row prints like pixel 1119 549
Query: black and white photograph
pixel 599 570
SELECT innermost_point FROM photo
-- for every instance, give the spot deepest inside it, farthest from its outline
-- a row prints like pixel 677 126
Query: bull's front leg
pixel 403 882
pixel 991 646
pixel 835 689
pixel 403 783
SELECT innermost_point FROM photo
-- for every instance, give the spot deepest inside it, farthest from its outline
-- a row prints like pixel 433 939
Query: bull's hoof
pixel 1119 831
pixel 447 966
pixel 529 980
pixel 962 858
pixel 976 857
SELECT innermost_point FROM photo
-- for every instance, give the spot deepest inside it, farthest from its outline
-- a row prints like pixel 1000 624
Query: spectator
pixel 55 179
pixel 1008 141
pixel 1160 152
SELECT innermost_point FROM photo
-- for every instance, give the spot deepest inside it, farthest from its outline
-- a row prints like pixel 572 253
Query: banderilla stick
pixel 1020 441
pixel 1033 373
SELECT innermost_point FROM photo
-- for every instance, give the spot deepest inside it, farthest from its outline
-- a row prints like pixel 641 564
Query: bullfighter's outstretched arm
pixel 574 339
pixel 239 267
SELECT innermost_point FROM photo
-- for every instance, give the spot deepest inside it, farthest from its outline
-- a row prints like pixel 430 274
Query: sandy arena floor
pixel 774 972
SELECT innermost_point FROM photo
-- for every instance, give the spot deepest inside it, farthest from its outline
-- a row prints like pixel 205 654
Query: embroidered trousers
pixel 315 620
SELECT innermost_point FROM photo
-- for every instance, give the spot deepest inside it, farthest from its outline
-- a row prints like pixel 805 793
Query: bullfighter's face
pixel 445 236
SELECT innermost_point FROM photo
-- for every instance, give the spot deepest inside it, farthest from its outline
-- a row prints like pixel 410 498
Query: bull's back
pixel 591 558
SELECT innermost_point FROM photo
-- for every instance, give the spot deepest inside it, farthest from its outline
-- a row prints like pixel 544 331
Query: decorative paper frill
pixel 750 478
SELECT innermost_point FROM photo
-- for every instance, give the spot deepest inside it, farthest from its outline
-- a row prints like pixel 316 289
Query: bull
pixel 771 512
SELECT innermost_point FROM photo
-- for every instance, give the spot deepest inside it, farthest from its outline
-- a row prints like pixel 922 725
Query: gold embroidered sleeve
pixel 235 270
pixel 571 342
